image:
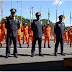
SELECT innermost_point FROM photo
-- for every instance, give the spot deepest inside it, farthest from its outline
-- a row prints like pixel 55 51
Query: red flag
pixel 64 17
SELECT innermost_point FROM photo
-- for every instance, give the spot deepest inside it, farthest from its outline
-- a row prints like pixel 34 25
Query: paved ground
pixel 26 62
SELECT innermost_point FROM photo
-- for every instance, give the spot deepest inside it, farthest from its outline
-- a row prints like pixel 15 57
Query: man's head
pixel 25 24
pixel 61 17
pixel 38 14
pixel 4 19
pixel 47 23
pixel 13 12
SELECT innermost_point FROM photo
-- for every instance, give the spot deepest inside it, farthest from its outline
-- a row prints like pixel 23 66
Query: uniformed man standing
pixel 3 31
pixel 25 33
pixel 19 34
pixel 37 27
pixel 0 32
pixel 59 30
pixel 65 35
pixel 12 25
pixel 69 35
pixel 47 31
pixel 30 35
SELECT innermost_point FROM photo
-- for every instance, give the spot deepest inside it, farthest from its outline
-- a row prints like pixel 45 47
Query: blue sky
pixel 33 71
pixel 64 5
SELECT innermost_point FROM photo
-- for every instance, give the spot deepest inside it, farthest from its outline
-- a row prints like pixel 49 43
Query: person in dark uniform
pixel 59 31
pixel 37 27
pixel 12 24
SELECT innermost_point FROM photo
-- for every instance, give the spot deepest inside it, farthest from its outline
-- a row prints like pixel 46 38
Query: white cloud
pixel 68 24
pixel 54 21
pixel 57 1
pixel 26 10
pixel 64 21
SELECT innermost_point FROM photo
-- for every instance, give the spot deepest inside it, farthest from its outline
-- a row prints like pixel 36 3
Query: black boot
pixel 20 46
pixel 41 54
pixel 49 46
pixel 55 53
pixel 23 42
pixel 44 45
pixel 28 46
pixel 70 45
pixel 62 54
pixel 1 45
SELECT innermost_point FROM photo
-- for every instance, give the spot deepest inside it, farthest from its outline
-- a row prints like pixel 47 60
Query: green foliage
pixel 67 28
pixel 28 21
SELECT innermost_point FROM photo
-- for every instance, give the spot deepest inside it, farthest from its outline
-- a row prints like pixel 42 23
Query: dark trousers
pixel 9 38
pixel 57 43
pixel 39 44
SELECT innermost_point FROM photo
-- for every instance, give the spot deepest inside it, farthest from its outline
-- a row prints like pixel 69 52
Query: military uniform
pixel 12 25
pixel 59 31
pixel 37 27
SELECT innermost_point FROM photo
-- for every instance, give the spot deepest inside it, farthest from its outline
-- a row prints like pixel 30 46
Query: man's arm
pixel 55 28
pixel 18 23
pixel 32 26
pixel 42 26
pixel 64 26
pixel 6 23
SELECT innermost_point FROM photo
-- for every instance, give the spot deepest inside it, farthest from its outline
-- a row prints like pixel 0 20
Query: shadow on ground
pixel 36 66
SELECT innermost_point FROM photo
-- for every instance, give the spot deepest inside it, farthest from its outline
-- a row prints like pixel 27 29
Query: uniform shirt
pixel 65 34
pixel 20 29
pixel 59 29
pixel 37 27
pixel 25 30
pixel 30 31
pixel 12 24
pixel 47 31
pixel 0 29
pixel 68 32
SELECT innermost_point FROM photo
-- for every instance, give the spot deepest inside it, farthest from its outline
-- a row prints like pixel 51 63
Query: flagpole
pixel 30 14
pixel 70 19
pixel 48 14
pixel 63 15
pixel 11 4
pixel 40 11
pixel 17 9
pixel 21 11
pixel 56 10
pixel 56 14
pixel 0 10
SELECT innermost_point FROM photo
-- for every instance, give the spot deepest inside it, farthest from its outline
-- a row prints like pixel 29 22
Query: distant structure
pixel 1 9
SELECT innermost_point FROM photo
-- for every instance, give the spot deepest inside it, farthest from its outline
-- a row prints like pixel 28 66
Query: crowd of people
pixel 11 28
